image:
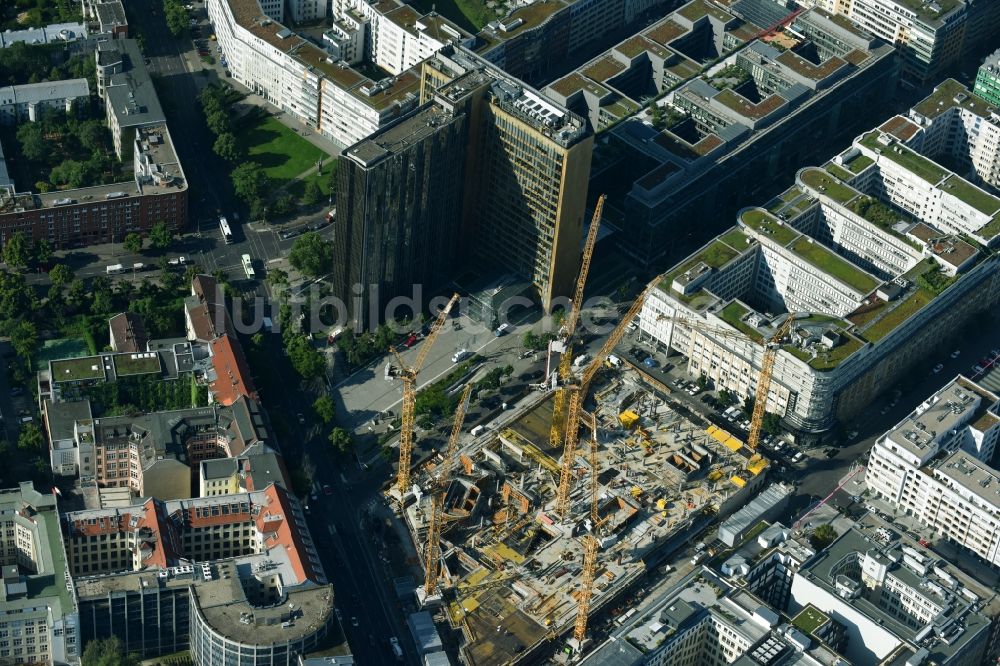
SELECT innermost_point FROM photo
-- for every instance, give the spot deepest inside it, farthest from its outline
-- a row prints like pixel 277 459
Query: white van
pixel 477 431
pixel 460 355
pixel 114 269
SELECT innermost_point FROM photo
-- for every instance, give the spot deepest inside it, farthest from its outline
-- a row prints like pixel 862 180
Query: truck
pixel 460 355
pixel 396 650
pixel 114 269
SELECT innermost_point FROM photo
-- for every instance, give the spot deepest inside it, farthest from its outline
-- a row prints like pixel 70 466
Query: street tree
pixel 43 251
pixel 108 652
pixel 133 243
pixel 341 440
pixel 249 181
pixel 160 236
pixel 323 406
pixel 30 438
pixel 17 250
pixel 312 255
pixel 822 536
pixel 311 194
pixel 24 340
pixel 228 148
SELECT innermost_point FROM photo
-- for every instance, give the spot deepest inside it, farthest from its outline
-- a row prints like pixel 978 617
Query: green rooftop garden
pixel 838 172
pixel 810 619
pixel 859 164
pixel 126 365
pixel 882 216
pixel 760 220
pixel 906 158
pixel 832 264
pixel 735 239
pixel 991 229
pixel 823 182
pixel 828 360
pixel 972 195
pixel 78 369
pixel 715 254
pixel 732 315
pixel 906 309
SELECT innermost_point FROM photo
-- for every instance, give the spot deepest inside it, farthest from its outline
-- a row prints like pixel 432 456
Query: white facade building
pixel 870 287
pixel 956 123
pixel 303 80
pixel 26 103
pixel 934 465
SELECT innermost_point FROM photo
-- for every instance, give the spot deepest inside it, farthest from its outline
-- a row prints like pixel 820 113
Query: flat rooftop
pixel 939 414
pixel 400 137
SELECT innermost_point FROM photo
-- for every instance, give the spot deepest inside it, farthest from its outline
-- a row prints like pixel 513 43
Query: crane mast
pixel 408 375
pixel 439 490
pixel 569 328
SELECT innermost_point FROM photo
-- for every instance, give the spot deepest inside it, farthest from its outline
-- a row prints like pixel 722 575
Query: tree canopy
pixel 108 652
pixel 312 255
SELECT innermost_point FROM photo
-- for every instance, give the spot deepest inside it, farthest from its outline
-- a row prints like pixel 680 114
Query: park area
pixel 283 154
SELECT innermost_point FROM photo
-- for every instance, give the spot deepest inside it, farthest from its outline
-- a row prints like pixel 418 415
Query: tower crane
pixel 771 347
pixel 439 490
pixel 569 328
pixel 590 545
pixel 408 374
pixel 577 394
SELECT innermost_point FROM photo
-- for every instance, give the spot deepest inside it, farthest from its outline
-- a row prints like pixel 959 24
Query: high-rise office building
pixel 486 173
pixel 400 203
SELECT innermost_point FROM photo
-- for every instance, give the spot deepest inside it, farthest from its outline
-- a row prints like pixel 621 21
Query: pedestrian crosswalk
pixel 991 379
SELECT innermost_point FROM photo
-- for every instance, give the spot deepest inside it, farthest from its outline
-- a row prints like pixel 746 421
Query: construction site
pixel 561 505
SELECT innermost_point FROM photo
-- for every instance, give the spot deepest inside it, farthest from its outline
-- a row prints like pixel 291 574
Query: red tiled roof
pixel 276 524
pixel 206 288
pixel 232 374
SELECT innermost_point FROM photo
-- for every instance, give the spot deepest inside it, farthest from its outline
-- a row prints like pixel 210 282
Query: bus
pixel 227 234
pixel 248 266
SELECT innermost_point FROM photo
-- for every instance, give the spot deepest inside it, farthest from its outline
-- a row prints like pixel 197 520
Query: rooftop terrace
pixel 951 94
pixel 834 265
pixel 911 161
pixel 760 220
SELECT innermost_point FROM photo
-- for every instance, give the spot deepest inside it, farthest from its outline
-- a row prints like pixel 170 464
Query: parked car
pixel 938 368
pixel 956 353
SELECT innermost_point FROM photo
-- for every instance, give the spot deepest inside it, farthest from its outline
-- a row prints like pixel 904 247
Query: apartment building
pixel 533 41
pixel 305 81
pixel 127 333
pixel 391 34
pixel 259 591
pixel 157 192
pixel 705 620
pixel 242 474
pixel 718 139
pixel 960 127
pixel 124 85
pixel 895 601
pixel 28 102
pixel 934 465
pixel 873 273
pixel 987 84
pixel 487 173
pixel 57 33
pixel 38 606
pixel 932 36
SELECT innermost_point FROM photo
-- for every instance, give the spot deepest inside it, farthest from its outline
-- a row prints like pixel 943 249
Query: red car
pixel 410 341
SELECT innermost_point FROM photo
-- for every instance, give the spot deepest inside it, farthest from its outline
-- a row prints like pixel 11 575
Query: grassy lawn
pixel 859 164
pixel 283 153
pixel 832 264
pixel 991 229
pixel 75 369
pixel 810 619
pixel 471 15
pixel 827 360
